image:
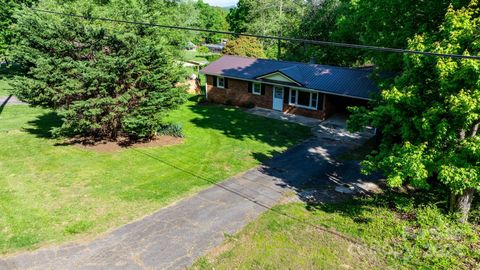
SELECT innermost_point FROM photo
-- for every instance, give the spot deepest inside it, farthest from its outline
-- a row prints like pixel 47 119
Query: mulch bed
pixel 115 146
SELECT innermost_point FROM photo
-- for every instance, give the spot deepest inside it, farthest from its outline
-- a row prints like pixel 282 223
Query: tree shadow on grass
pixel 42 126
pixel 402 203
pixel 239 125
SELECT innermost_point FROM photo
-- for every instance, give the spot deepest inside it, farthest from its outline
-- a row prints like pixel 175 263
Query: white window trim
pixel 218 82
pixel 311 107
pixel 259 90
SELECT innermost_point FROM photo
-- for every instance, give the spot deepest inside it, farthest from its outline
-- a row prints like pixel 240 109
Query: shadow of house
pixel 43 125
pixel 313 170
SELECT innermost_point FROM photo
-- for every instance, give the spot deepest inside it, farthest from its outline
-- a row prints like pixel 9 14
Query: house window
pixel 257 88
pixel 303 99
pixel 293 96
pixel 221 82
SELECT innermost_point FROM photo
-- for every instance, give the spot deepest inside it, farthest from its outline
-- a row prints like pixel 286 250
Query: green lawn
pixel 52 193
pixel 6 73
pixel 4 88
pixel 196 56
pixel 395 232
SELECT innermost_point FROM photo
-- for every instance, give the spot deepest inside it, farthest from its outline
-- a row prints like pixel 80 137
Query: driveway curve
pixel 173 237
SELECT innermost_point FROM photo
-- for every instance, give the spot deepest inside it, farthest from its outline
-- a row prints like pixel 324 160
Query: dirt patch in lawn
pixel 115 146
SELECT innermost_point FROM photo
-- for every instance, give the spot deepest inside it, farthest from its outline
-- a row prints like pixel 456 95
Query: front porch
pixel 294 118
pixel 334 128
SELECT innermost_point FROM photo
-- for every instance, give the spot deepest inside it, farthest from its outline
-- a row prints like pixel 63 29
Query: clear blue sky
pixel 221 3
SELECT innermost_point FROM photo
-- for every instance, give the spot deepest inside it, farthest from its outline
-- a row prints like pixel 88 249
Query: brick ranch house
pixel 310 90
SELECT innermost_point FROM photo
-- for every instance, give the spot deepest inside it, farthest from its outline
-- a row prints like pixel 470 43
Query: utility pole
pixel 279 51
pixel 280 17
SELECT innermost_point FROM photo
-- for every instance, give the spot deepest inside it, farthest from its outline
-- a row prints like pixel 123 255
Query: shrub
pixel 248 105
pixel 228 102
pixel 213 57
pixel 203 50
pixel 174 130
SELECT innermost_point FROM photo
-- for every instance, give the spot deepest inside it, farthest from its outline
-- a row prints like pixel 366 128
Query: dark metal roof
pixel 349 82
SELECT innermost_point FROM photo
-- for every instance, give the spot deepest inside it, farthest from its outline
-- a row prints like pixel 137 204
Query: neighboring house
pixel 305 89
pixel 215 48
pixel 190 46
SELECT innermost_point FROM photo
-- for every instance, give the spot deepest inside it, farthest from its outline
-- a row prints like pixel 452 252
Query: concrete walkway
pixel 307 121
pixel 175 236
pixel 10 100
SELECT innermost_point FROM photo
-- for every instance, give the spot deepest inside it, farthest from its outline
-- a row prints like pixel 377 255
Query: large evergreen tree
pixel 7 9
pixel 105 81
pixel 429 118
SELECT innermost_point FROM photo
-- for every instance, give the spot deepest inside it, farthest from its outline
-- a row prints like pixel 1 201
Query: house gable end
pixel 278 76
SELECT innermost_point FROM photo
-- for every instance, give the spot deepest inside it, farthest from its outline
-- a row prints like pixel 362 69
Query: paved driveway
pixel 175 236
pixel 10 100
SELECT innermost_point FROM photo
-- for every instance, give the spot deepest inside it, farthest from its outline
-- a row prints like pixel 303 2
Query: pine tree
pixel 104 82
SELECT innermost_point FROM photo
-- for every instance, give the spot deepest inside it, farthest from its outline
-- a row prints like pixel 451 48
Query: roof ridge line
pixel 297 63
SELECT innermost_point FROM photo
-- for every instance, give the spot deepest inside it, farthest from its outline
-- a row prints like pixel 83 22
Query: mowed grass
pixel 52 193
pixel 275 241
pixel 194 56
pixel 393 234
pixel 4 88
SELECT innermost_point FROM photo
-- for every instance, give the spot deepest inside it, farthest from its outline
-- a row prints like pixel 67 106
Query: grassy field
pixel 395 232
pixel 51 193
pixel 6 73
pixel 194 56
pixel 4 88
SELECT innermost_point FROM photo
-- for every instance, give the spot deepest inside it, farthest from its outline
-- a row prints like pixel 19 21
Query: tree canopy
pixel 429 117
pixel 7 9
pixel 368 22
pixel 269 17
pixel 213 18
pixel 244 46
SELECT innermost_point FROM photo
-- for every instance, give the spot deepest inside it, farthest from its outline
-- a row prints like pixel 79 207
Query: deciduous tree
pixel 267 17
pixel 212 18
pixel 429 118
pixel 244 46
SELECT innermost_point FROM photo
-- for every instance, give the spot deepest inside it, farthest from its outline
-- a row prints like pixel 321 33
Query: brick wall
pixel 304 112
pixel 237 94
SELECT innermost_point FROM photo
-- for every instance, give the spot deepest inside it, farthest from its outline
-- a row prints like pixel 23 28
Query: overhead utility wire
pixel 298 40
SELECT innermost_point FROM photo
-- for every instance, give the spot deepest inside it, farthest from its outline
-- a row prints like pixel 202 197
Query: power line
pixel 213 182
pixel 277 38
pixel 253 200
